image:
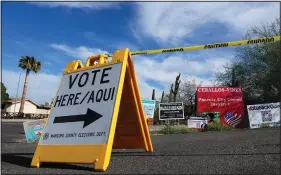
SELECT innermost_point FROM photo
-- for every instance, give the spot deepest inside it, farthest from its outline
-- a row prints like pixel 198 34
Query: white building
pixel 30 107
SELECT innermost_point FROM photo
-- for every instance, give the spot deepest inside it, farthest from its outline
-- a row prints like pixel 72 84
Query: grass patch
pixel 219 127
pixel 184 130
pixel 264 125
pixel 156 133
pixel 173 130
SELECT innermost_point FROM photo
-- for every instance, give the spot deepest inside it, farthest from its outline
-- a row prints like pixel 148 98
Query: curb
pixel 15 120
pixel 25 120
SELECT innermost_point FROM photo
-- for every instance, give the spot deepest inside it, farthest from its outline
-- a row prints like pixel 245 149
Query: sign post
pixel 168 126
pixel 97 108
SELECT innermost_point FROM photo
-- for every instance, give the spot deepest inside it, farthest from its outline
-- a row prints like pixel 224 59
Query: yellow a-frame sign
pixel 97 108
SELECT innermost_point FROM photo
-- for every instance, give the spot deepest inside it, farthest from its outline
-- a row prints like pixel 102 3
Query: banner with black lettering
pixel 264 115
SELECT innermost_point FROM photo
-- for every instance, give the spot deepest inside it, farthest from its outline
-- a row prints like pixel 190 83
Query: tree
pixel 171 93
pixel 162 97
pixel 4 94
pixel 174 91
pixel 187 95
pixel 257 67
pixel 232 76
pixel 153 94
pixel 156 116
pixel 28 63
pixel 187 92
pixel 234 81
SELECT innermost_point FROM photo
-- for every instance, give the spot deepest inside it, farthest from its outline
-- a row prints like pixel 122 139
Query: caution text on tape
pixel 208 46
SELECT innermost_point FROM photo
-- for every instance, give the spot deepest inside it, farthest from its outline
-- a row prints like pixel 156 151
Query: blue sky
pixel 59 32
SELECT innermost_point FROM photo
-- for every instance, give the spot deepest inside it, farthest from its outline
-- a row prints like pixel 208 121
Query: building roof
pixel 44 107
pixel 14 100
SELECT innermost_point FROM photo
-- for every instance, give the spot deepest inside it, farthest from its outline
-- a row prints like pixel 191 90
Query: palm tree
pixel 28 63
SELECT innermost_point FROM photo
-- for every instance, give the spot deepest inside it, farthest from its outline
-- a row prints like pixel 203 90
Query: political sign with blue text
pixel 149 107
pixel 33 129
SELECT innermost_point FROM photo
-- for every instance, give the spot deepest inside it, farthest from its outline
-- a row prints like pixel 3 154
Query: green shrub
pixel 219 127
pixel 176 130
pixel 264 125
pixel 182 129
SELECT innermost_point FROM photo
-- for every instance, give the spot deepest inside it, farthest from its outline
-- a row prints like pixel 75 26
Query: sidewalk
pixel 151 128
pixel 16 120
pixel 155 128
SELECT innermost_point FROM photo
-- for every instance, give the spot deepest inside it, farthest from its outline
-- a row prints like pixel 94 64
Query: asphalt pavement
pixel 229 152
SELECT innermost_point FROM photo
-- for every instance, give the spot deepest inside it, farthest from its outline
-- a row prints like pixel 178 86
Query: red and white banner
pixel 222 105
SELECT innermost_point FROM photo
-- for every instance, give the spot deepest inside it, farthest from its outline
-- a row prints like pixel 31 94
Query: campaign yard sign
pixel 197 122
pixel 33 129
pixel 168 111
pixel 149 107
pixel 222 105
pixel 264 114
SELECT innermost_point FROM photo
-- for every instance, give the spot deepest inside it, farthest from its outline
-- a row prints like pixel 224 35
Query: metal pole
pixel 168 126
pixel 17 92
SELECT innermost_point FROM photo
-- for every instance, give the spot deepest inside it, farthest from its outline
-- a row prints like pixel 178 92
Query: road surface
pixel 229 152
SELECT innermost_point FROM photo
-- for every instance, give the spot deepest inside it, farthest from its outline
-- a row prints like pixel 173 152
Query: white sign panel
pixel 83 107
pixel 268 114
pixel 197 122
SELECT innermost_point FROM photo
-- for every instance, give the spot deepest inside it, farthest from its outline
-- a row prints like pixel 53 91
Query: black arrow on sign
pixel 88 118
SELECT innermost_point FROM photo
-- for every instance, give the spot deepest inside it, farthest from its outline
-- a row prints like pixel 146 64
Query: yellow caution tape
pixel 207 46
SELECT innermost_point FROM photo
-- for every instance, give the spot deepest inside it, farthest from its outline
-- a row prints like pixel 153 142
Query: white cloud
pixel 146 89
pixel 41 87
pixel 123 45
pixel 89 5
pixel 8 55
pixel 81 52
pixel 48 63
pixel 172 22
pixel 200 67
pixel 107 41
pixel 164 69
